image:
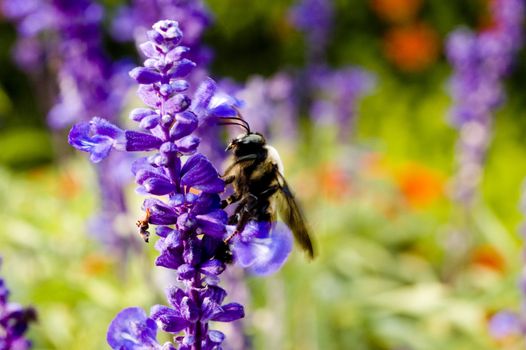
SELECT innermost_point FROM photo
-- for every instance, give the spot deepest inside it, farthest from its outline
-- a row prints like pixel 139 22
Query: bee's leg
pixel 269 191
pixel 229 179
pixel 234 197
pixel 244 212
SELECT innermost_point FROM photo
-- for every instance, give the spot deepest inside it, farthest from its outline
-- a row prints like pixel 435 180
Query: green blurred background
pixel 400 265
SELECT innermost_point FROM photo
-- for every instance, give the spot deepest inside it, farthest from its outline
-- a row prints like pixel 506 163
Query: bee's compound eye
pixel 254 138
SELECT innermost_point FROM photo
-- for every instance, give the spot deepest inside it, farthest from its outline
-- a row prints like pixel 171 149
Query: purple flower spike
pixel 481 62
pixel 192 221
pixel 261 248
pixel 315 18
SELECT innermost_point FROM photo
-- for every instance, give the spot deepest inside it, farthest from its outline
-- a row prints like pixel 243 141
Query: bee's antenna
pixel 233 122
pixel 237 120
pixel 241 119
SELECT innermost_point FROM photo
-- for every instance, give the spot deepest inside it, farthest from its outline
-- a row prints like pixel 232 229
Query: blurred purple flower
pixel 268 105
pixel 14 321
pixel 315 19
pixel 336 96
pixel 504 324
pixel 480 62
pixel 67 35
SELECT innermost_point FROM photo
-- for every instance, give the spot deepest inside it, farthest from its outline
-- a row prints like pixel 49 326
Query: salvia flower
pixel 184 201
pixel 14 321
pixel 133 21
pixel 507 323
pixel 314 18
pixel 267 104
pixel 480 61
pixel 337 94
pixel 67 36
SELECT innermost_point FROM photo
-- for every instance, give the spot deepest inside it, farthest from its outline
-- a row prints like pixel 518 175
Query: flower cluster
pixel 314 18
pixel 14 321
pixel 268 104
pixel 32 18
pixel 331 95
pixel 507 323
pixel 336 96
pixel 133 21
pixel 480 62
pixel 68 36
pixel 190 222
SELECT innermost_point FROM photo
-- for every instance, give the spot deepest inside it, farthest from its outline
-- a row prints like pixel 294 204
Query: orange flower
pixel 68 185
pixel 412 48
pixel 396 11
pixel 487 256
pixel 335 182
pixel 96 264
pixel 420 185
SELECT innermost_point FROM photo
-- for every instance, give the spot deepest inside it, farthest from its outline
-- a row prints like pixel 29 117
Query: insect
pixel 260 189
pixel 144 225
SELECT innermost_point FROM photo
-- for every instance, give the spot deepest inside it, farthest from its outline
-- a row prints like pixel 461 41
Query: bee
pixel 260 189
pixel 144 225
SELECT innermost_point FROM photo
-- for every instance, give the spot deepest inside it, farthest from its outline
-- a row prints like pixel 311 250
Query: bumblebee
pixel 260 189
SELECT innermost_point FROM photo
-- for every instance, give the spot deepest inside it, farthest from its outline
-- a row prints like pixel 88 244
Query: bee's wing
pixel 292 215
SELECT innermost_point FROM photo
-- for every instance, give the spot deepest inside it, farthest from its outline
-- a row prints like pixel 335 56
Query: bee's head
pixel 248 143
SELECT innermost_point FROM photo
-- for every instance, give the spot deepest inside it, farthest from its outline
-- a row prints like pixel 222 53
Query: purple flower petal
pixel 175 296
pixel 149 122
pixel 149 50
pixel 212 267
pixel 182 69
pixel 131 329
pixel 163 231
pixel 168 319
pixel 205 203
pixel 189 309
pixel 203 96
pixel 145 75
pixel 192 253
pixel 176 53
pixel 213 223
pixel 139 114
pixel 188 144
pixel 231 312
pixel 149 96
pixel 177 103
pixel 169 30
pixel 96 137
pixel 161 213
pixel 223 110
pixel 139 141
pixel 170 258
pixel 185 124
pixel 154 181
pixel 216 337
pixel 199 173
pixel 264 256
pixel 209 309
pixel 215 293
